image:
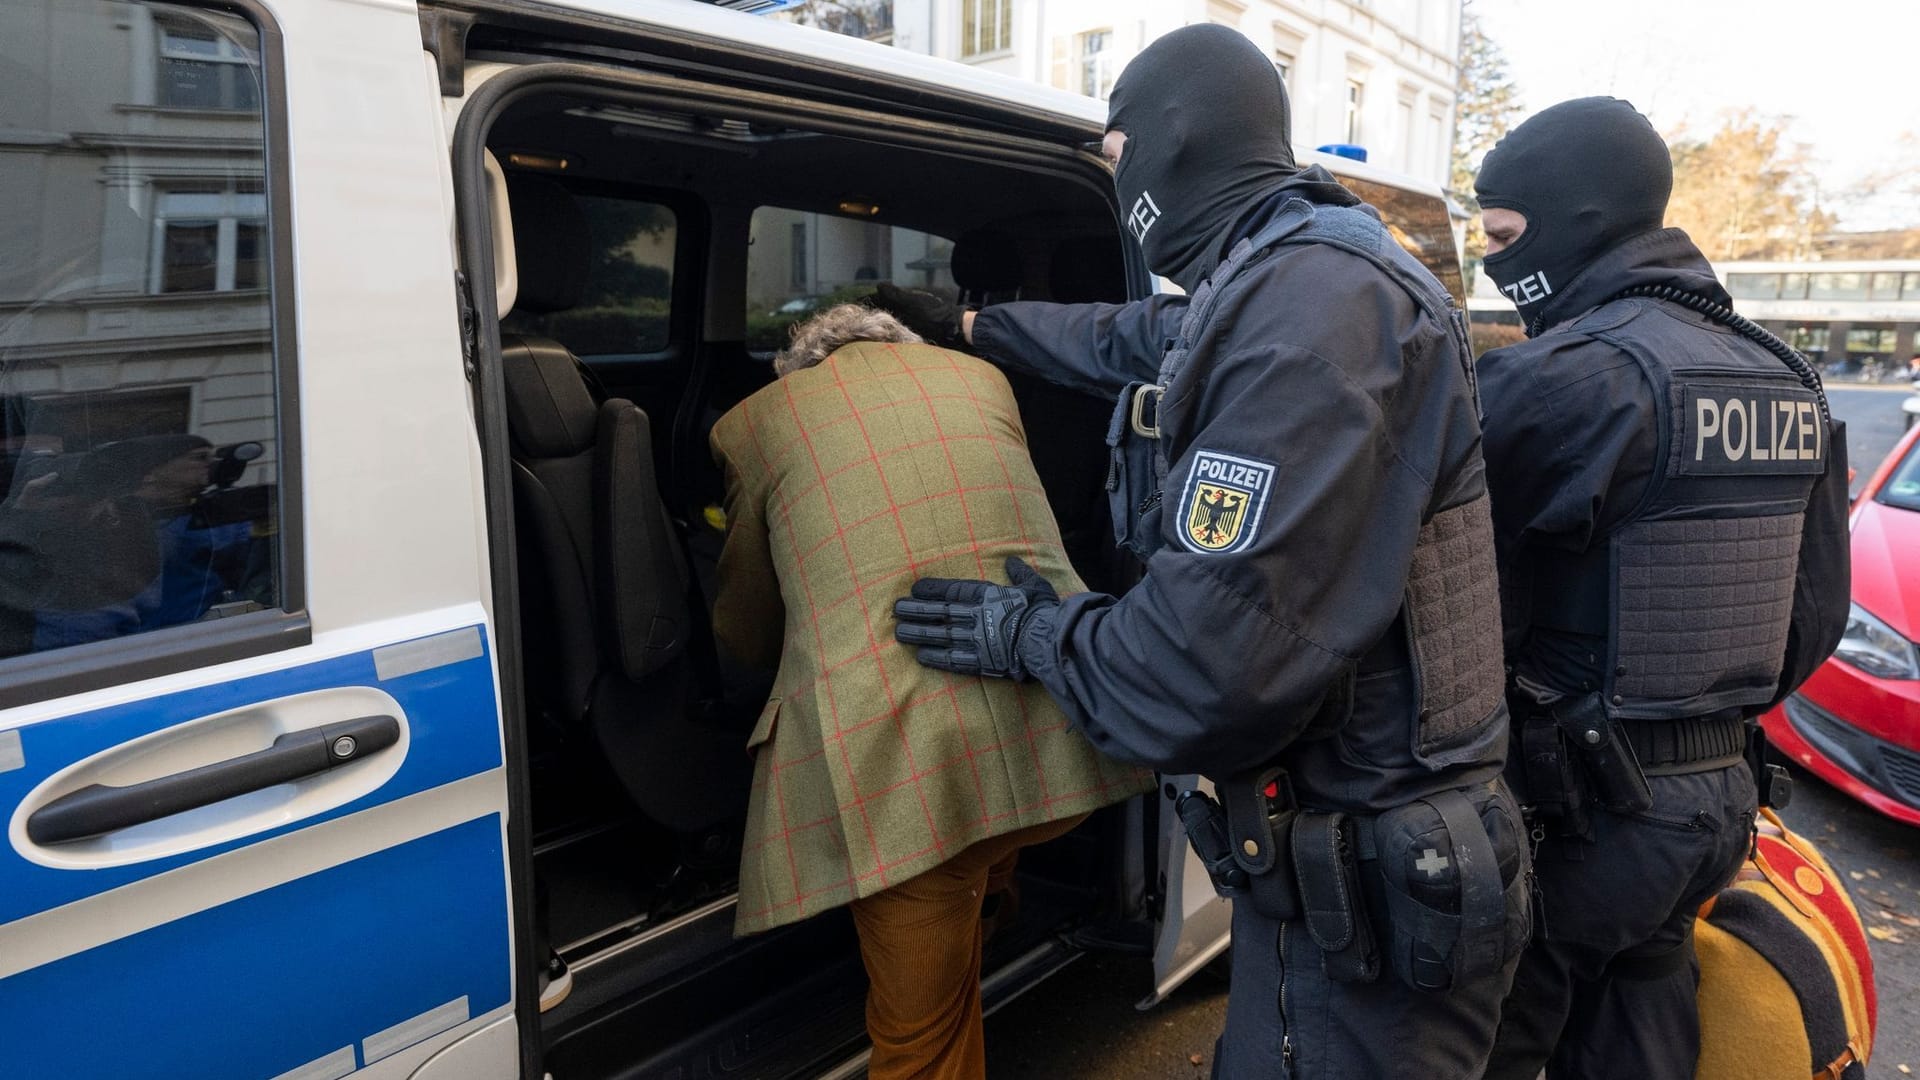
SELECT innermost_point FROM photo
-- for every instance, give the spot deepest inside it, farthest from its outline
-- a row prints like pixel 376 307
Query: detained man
pixel 880 784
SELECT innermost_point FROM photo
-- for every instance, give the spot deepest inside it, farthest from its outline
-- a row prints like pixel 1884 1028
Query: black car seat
pixel 603 582
pixel 986 267
pixel 1087 270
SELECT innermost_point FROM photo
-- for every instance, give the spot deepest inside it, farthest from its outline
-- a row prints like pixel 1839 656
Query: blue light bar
pixel 1345 150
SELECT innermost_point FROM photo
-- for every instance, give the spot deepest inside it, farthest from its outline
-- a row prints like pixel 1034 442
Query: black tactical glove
pixel 972 627
pixel 934 319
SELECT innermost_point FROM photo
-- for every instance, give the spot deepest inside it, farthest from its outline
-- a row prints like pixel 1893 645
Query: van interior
pixel 656 262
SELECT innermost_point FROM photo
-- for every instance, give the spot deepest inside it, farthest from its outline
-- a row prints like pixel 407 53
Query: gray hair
pixel 843 324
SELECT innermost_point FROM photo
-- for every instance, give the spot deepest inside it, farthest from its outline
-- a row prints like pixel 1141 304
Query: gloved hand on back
pixel 973 627
pixel 935 319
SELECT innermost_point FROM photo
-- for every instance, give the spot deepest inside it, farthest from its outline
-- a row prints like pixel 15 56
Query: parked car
pixel 1856 721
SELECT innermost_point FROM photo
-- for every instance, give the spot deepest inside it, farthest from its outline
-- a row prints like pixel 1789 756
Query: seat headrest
pixel 550 411
pixel 552 248
pixel 1088 269
pixel 986 262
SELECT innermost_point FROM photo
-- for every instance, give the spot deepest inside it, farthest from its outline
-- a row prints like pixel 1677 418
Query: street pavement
pixel 1082 1024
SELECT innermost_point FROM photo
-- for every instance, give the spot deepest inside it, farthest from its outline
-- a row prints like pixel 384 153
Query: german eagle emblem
pixel 1224 499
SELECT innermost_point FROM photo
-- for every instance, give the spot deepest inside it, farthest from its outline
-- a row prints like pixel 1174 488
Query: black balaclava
pixel 1587 174
pixel 1207 135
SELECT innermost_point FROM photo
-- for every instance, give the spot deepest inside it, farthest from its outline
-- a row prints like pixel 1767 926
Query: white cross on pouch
pixel 1432 862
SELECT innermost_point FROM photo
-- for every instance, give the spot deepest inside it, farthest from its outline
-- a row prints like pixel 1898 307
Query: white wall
pixel 1402 52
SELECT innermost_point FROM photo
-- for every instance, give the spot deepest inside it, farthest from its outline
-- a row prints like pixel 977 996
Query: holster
pixel 1772 783
pixel 1619 784
pixel 1206 826
pixel 1326 860
pixel 1260 820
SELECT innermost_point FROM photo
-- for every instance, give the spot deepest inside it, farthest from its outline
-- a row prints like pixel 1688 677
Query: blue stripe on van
pixel 277 979
pixel 450 709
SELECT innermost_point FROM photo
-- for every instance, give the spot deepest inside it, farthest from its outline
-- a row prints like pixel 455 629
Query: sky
pixel 1846 71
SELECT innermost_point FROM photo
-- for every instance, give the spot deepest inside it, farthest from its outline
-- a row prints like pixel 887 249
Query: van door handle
pixel 102 808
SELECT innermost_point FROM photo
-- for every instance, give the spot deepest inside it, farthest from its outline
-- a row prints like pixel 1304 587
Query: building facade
pixel 1380 74
pixel 1858 319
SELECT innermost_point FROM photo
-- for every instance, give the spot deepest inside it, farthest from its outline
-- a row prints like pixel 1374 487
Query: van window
pixel 802 262
pixel 625 306
pixel 140 439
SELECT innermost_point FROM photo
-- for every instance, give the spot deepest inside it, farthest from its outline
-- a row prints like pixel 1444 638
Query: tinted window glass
pixel 800 263
pixel 1753 286
pixel 1839 287
pixel 626 305
pixel 139 436
pixel 1421 225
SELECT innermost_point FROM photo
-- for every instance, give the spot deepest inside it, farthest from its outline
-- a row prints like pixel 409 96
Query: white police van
pixel 355 696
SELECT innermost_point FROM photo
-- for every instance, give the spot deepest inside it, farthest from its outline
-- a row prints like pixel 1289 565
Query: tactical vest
pixel 1693 591
pixel 1451 612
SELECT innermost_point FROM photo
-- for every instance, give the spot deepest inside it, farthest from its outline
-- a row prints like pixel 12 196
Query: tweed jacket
pixel 845 482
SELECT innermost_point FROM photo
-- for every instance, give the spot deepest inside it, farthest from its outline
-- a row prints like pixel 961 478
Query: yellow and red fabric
pixel 1786 979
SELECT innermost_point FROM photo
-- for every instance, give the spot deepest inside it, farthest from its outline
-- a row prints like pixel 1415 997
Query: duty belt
pixel 1675 747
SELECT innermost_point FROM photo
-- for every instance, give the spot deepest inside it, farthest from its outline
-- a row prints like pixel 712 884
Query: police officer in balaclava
pixel 1651 458
pixel 1296 463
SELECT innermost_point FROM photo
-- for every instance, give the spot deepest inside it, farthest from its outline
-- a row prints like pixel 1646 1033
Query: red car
pixel 1856 722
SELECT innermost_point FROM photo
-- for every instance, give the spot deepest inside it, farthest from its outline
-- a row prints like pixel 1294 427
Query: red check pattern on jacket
pixel 845 483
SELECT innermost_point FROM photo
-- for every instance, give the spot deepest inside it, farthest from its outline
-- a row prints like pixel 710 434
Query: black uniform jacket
pixel 1572 438
pixel 1340 416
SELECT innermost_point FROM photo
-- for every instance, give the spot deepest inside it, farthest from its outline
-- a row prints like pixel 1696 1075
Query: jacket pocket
pixel 763 728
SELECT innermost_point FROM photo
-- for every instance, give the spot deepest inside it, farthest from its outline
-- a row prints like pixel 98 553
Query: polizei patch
pixel 1729 429
pixel 1221 505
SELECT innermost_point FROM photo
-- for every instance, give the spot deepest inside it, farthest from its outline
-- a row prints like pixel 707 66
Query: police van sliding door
pixel 250 746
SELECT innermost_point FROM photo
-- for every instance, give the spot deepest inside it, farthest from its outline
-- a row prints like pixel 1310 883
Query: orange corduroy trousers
pixel 920 941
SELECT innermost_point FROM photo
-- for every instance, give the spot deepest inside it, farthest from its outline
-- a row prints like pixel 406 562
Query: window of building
pixel 626 306
pixel 141 447
pixel 1096 63
pixel 986 26
pixel 799 263
pixel 1405 116
pixel 1793 286
pixel 1439 146
pixel 201 68
pixel 1809 338
pixel 1753 286
pixel 1838 287
pixel 1884 286
pixel 1871 340
pixel 209 239
pixel 1355 91
pixel 1283 63
pixel 1910 286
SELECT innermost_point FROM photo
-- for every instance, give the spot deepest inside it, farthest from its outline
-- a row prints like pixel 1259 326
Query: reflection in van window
pixel 1419 221
pixel 624 306
pixel 139 449
pixel 801 262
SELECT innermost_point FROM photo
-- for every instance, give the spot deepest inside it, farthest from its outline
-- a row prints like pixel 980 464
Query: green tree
pixel 1746 191
pixel 1486 105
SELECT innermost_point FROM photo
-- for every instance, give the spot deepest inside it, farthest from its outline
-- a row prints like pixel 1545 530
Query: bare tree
pixel 1746 191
